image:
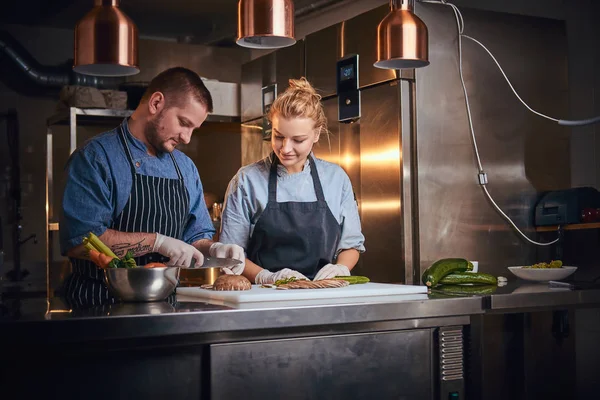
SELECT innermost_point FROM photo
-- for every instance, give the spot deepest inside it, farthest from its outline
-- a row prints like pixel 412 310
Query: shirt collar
pixel 135 142
pixel 282 171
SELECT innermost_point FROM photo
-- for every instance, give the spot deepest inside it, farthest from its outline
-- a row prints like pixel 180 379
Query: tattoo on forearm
pixel 137 249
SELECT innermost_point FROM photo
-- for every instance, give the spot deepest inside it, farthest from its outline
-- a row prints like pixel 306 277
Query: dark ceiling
pixel 195 21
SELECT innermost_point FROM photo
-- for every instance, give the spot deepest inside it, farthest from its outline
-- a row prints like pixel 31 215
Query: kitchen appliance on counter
pixel 565 206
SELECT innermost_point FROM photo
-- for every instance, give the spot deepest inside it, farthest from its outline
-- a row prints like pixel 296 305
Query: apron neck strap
pixel 315 178
pixel 123 138
pixel 176 167
pixel 313 173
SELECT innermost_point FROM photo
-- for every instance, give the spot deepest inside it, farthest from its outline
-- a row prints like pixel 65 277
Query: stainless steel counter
pixel 222 351
pixel 520 296
pixel 32 316
pixel 52 319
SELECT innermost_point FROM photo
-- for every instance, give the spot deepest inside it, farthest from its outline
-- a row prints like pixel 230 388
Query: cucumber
pixel 353 280
pixel 461 290
pixel 457 278
pixel 443 267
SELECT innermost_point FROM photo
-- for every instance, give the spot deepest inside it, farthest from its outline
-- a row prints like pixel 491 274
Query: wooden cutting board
pixel 258 294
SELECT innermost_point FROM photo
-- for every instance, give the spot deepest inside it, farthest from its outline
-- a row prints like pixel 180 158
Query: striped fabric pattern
pixel 155 205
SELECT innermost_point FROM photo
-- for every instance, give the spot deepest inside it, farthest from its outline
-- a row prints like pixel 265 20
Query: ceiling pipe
pixel 45 77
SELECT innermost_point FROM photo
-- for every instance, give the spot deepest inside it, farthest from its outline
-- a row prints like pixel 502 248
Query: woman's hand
pixel 331 271
pixel 266 276
pixel 218 249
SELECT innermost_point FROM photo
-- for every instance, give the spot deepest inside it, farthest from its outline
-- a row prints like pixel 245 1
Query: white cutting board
pixel 258 294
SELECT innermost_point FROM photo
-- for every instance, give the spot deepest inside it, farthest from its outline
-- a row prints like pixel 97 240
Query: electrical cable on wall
pixel 482 176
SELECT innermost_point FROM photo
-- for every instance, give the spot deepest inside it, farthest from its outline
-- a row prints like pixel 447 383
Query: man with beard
pixel 136 192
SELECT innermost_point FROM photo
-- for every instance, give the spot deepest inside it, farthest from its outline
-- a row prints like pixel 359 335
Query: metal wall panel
pixel 355 36
pixel 323 49
pixel 521 153
pixel 289 62
pixel 276 67
pixel 359 36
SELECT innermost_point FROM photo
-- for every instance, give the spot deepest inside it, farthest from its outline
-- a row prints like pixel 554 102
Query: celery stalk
pixel 98 245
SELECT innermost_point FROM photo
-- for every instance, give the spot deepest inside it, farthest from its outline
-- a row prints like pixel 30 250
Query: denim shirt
pixel 248 194
pixel 99 182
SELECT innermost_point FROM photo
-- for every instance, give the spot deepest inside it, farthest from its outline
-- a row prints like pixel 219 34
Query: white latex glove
pixel 332 270
pixel 222 250
pixel 180 253
pixel 266 276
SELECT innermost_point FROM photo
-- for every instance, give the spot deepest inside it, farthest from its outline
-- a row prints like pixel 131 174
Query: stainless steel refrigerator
pixel 409 155
pixel 369 148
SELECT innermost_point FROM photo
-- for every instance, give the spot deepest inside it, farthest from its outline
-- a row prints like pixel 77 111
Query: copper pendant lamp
pixel 106 42
pixel 265 24
pixel 402 41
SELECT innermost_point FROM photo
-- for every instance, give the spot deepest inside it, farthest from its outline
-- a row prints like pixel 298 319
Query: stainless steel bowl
pixel 141 284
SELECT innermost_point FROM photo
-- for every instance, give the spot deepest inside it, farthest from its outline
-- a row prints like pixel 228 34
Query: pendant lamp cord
pixel 482 176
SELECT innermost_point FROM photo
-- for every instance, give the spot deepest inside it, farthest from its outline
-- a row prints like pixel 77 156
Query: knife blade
pixel 211 262
pixel 217 262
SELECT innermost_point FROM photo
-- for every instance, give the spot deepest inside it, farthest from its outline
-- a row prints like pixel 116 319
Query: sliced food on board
pixel 229 282
pixel 306 284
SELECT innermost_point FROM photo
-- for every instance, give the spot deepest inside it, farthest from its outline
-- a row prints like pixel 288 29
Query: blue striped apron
pixel 155 205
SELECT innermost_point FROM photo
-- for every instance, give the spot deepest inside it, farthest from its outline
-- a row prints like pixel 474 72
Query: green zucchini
pixel 462 290
pixel 458 278
pixel 443 267
pixel 354 279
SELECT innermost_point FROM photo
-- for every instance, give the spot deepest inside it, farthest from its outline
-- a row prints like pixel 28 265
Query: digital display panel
pixel 268 97
pixel 347 72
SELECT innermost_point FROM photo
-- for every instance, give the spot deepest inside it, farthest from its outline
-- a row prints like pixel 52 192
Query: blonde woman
pixel 294 214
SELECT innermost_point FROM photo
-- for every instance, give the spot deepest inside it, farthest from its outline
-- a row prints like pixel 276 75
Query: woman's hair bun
pixel 303 85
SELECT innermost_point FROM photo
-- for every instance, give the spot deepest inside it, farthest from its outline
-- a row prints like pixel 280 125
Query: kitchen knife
pixel 212 262
pixel 217 262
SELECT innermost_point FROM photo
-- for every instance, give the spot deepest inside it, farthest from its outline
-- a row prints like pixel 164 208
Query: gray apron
pixel 299 235
pixel 155 205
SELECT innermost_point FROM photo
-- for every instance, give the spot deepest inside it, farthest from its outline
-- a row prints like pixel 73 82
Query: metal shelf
pixel 71 117
pixel 568 227
pixel 87 116
pixel 101 116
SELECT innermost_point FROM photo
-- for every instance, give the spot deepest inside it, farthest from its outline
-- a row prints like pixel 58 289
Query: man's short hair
pixel 177 84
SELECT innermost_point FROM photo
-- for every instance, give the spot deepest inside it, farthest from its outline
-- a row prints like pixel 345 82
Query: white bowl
pixel 542 274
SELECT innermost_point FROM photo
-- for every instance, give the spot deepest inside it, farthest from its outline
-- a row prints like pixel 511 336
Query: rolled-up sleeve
pixel 352 237
pixel 236 218
pixel 199 225
pixel 87 201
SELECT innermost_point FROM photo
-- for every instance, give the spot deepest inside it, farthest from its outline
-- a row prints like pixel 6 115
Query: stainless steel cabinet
pixel 382 365
pixel 274 68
